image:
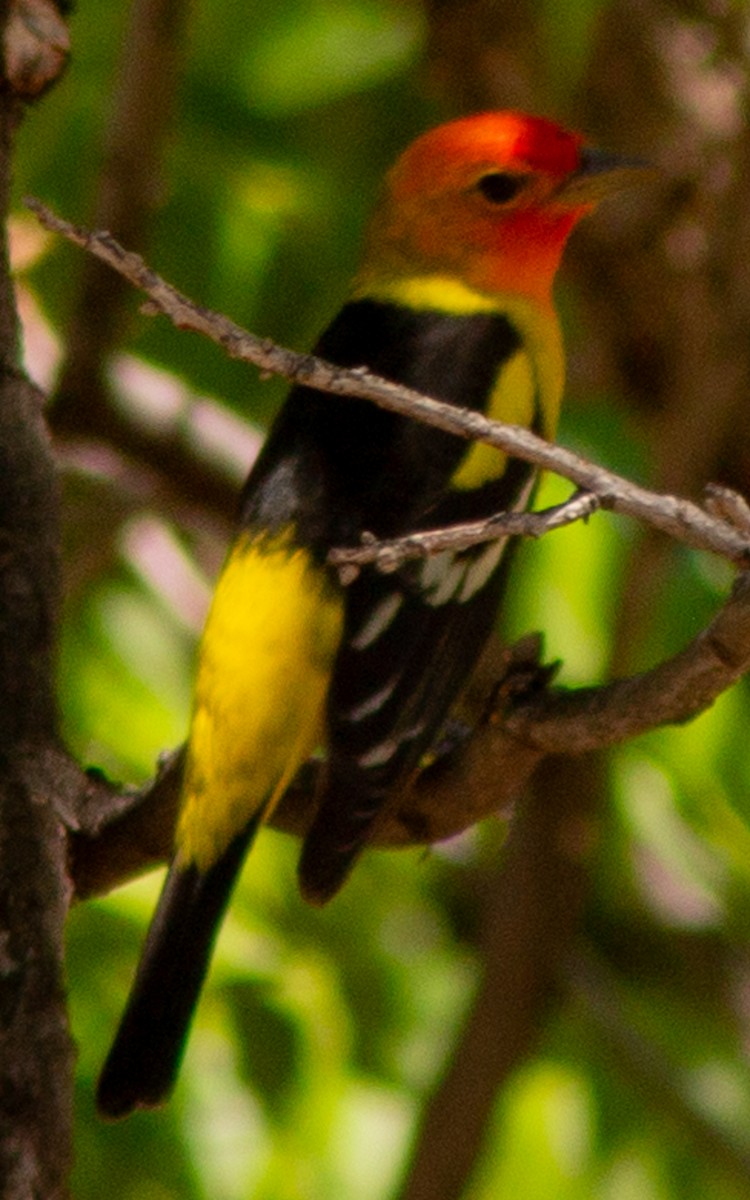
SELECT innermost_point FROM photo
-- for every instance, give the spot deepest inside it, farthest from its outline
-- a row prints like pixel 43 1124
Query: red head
pixel 488 200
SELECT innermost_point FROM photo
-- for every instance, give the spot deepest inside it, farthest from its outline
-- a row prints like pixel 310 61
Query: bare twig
pixel 679 518
pixel 124 835
pixel 388 555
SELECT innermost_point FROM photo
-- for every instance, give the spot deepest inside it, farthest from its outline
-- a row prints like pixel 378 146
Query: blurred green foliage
pixel 321 1033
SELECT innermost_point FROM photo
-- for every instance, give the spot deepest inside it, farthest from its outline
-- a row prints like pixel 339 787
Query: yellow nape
pixel 438 293
pixel 265 663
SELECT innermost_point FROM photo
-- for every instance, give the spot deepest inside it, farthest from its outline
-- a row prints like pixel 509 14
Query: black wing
pixel 411 639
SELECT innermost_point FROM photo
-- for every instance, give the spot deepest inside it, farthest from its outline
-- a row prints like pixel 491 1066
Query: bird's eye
pixel 499 188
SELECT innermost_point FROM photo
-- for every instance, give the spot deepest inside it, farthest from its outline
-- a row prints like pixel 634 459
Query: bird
pixel 452 298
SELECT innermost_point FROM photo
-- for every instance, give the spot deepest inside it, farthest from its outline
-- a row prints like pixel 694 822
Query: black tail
pixel 144 1059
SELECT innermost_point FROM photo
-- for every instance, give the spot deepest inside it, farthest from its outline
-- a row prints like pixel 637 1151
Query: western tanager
pixel 453 298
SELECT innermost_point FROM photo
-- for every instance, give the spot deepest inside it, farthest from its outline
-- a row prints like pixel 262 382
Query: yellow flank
pixel 265 662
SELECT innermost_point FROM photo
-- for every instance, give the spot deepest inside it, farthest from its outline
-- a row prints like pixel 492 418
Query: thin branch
pixel 680 518
pixel 519 721
pixel 388 555
pixel 673 692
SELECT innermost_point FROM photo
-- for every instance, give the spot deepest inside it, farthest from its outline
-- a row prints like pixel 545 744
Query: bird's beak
pixel 599 174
